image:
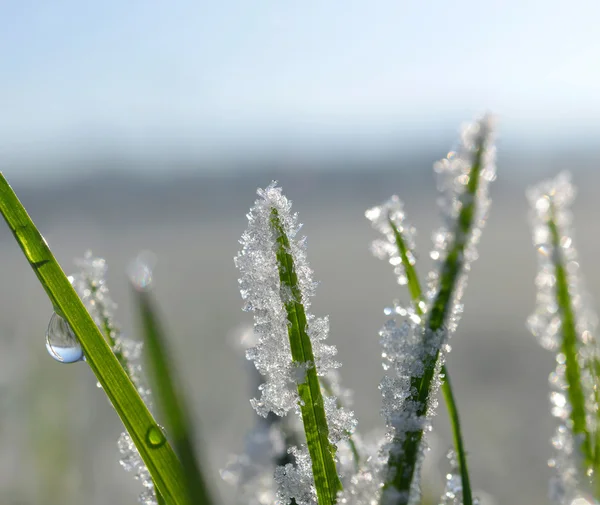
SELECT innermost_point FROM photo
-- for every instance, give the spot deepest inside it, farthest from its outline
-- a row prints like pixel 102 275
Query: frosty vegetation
pixel 565 324
pixel 90 284
pixel 413 351
pixel 304 448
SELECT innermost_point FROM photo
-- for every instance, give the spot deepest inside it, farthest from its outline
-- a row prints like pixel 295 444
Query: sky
pixel 144 77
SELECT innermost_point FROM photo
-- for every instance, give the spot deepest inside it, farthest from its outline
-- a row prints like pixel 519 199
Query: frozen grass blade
pixel 564 323
pixel 276 284
pixel 91 286
pixel 416 293
pixel 569 341
pixel 390 217
pixel 169 399
pixel 157 454
pixel 327 481
pixel 416 350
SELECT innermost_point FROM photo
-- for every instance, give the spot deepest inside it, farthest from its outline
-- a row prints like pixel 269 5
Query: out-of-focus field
pixel 57 431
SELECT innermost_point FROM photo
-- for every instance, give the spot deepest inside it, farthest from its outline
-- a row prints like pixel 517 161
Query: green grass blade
pixel 403 464
pixel 416 293
pixel 564 322
pixel 100 313
pixel 327 481
pixel 412 279
pixel 569 344
pixel 169 400
pixel 159 458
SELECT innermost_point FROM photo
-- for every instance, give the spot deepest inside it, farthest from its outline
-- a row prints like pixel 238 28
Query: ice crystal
pixel 296 481
pixel 415 348
pixel 550 202
pixel 453 490
pixel 406 351
pixel 90 284
pixel 364 487
pixel 252 472
pixel 266 296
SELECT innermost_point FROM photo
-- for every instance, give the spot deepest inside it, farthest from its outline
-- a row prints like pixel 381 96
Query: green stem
pixel 322 452
pixel 456 434
pixel 403 462
pixel 109 333
pixel 569 344
pixel 163 465
pixel 170 400
pixel 416 293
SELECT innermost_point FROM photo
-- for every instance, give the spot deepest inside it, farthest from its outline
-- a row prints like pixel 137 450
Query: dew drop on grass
pixel 155 437
pixel 61 342
pixel 141 271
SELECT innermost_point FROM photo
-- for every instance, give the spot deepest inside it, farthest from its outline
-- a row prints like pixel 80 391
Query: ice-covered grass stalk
pixel 564 323
pixel 276 284
pixel 91 286
pixel 160 460
pixel 390 220
pixel 415 351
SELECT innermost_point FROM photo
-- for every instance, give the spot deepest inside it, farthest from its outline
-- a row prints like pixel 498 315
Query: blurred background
pixel 149 125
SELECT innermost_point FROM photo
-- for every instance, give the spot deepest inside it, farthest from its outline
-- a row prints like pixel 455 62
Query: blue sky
pixel 145 76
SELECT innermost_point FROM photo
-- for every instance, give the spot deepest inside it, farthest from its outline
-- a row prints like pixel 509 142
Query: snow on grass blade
pixel 276 284
pixel 159 458
pixel 389 219
pixel 169 398
pixel 415 351
pixel 564 323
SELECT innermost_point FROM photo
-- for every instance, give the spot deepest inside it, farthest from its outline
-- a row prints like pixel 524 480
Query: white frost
pixel 90 284
pixel 552 199
pixel 263 295
pixel 406 348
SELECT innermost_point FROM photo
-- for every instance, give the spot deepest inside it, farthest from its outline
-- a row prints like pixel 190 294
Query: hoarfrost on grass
pixel 382 218
pixel 90 284
pixel 265 296
pixel 453 490
pixel 411 349
pixel 550 202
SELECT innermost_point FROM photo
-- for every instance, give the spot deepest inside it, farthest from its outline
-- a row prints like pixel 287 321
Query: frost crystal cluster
pixel 413 352
pixel 270 250
pixel 252 473
pixel 90 284
pixel 453 490
pixel 564 323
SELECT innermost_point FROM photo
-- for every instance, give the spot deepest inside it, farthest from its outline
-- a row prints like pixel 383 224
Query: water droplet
pixel 61 342
pixel 140 271
pixel 155 437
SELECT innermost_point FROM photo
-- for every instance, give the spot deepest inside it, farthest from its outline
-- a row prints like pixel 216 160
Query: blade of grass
pixel 327 481
pixel 159 458
pixel 569 344
pixel 107 326
pixel 170 401
pixel 403 465
pixel 416 294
